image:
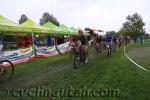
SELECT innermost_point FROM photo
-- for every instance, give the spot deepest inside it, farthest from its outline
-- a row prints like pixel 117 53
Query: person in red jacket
pixel 27 41
pixel 20 42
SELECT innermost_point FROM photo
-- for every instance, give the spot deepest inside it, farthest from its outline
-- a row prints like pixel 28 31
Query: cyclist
pixel 97 41
pixel 82 43
pixel 108 40
pixel 114 42
pixel 109 44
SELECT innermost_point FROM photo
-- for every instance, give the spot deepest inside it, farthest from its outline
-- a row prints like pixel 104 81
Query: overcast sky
pixel 101 14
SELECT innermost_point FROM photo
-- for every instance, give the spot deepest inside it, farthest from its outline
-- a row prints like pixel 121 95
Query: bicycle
pixel 79 56
pixel 109 49
pixel 4 72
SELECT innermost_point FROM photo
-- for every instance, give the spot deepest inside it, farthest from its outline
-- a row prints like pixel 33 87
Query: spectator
pixel 20 42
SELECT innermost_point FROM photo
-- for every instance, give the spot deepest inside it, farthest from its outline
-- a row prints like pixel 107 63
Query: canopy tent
pixel 51 26
pixel 68 30
pixel 85 33
pixel 74 29
pixel 36 28
pixel 9 26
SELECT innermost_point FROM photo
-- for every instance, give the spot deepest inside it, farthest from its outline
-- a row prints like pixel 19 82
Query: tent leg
pixel 33 45
pixel 1 38
pixel 70 38
pixel 54 40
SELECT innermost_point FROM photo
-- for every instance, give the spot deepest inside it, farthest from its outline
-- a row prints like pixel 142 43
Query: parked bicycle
pixel 6 73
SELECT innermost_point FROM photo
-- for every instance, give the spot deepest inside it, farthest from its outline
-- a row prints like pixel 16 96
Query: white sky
pixel 101 14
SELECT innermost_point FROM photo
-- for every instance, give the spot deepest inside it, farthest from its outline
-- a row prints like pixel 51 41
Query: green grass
pixel 140 54
pixel 103 72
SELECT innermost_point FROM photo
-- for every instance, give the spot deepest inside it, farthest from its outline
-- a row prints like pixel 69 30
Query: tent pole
pixel 70 38
pixel 33 45
pixel 1 38
pixel 54 40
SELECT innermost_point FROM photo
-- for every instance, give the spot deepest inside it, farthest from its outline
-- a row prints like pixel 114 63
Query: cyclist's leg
pixel 85 53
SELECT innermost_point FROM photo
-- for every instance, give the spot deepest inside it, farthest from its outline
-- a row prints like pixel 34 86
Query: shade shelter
pixel 34 27
pixel 56 29
pixel 8 26
pixel 69 31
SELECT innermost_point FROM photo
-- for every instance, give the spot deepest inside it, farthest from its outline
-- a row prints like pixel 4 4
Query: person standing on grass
pixel 142 39
pixel 135 39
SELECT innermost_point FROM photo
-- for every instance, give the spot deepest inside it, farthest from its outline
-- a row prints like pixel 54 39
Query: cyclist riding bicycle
pixel 82 43
pixel 97 42
pixel 109 40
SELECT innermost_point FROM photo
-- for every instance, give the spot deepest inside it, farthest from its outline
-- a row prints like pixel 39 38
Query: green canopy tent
pixel 35 28
pixel 51 26
pixel 8 26
pixel 74 30
pixel 11 28
pixel 68 31
pixel 58 30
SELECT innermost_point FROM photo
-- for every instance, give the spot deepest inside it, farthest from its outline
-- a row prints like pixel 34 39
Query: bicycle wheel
pixel 77 61
pixel 108 52
pixel 7 73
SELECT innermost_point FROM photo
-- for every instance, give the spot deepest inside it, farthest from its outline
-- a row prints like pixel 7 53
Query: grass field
pixel 102 72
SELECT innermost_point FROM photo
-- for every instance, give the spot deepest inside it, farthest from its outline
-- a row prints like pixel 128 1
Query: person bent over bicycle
pixel 82 45
pixel 109 44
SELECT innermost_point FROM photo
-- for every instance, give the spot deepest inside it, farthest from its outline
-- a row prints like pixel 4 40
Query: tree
pixel 47 17
pixel 133 26
pixel 23 18
pixel 112 33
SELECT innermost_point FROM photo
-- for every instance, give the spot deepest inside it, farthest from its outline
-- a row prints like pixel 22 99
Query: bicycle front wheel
pixel 77 61
pixel 8 72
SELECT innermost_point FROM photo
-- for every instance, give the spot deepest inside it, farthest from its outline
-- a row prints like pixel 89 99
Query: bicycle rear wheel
pixel 7 73
pixel 77 61
pixel 108 51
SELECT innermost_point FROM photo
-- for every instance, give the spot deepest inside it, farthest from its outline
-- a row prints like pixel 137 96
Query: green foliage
pixel 23 18
pixel 133 25
pixel 47 17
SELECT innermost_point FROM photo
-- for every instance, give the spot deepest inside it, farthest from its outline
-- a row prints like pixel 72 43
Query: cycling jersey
pixel 108 39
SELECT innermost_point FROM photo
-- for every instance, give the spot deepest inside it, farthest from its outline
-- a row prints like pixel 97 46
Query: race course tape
pixel 135 62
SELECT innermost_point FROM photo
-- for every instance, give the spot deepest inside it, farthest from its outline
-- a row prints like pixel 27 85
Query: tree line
pixel 45 18
pixel 133 26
